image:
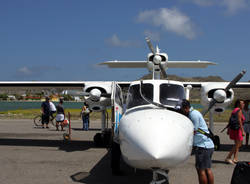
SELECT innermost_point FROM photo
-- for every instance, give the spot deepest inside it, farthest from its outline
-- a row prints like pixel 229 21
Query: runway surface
pixel 34 155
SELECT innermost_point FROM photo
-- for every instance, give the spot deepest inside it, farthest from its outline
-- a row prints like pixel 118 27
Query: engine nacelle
pixel 154 61
pixel 95 95
pixel 216 91
pixel 95 100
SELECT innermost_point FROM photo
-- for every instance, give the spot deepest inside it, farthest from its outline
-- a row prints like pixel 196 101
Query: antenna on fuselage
pixel 157 61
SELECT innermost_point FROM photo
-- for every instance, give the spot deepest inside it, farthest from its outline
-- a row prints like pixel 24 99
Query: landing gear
pixel 103 139
pixel 156 174
pixel 115 158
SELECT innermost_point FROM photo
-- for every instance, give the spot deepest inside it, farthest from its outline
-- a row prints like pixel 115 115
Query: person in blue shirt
pixel 203 145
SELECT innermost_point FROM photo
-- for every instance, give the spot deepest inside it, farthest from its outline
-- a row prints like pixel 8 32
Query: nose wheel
pixel 156 179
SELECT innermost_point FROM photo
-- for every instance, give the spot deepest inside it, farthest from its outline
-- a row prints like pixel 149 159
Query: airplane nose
pixel 155 138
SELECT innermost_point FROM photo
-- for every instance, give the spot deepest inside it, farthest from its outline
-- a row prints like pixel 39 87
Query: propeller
pixel 80 93
pixel 150 45
pixel 157 58
pixel 229 86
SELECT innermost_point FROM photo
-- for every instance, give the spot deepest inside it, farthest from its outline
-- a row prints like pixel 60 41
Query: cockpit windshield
pixel 171 94
pixel 134 97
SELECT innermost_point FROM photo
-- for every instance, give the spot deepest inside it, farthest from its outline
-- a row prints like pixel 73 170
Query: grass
pixel 75 114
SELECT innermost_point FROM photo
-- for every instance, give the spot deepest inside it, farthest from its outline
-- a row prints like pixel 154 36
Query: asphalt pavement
pixel 34 155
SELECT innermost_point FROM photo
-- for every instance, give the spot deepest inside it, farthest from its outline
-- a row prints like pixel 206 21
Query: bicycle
pixel 38 120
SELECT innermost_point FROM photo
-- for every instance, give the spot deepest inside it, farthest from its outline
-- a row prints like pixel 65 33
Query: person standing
pixel 60 116
pixel 238 134
pixel 45 108
pixel 85 117
pixel 246 113
pixel 204 146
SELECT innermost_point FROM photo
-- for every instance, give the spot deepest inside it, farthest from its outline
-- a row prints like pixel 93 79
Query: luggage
pixel 234 121
pixel 241 174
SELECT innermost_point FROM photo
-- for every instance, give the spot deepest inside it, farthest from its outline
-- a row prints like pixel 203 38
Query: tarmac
pixel 34 155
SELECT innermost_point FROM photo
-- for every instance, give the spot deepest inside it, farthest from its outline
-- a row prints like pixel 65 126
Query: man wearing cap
pixel 45 108
pixel 203 145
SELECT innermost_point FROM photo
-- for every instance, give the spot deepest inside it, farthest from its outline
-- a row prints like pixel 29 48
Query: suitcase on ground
pixel 241 174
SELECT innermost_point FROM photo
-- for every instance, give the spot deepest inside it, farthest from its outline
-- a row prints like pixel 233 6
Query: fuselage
pixel 154 137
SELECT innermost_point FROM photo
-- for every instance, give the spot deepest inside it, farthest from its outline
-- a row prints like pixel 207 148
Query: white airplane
pixel 150 132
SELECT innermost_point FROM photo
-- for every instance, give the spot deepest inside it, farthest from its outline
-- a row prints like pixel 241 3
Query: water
pixel 18 105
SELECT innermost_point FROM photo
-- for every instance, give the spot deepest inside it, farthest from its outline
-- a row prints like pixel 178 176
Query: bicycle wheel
pixel 38 120
pixel 52 121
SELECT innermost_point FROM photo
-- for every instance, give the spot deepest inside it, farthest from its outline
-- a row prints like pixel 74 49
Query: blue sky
pixel 66 39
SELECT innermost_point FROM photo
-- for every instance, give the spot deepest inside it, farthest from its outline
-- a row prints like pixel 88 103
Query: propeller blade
pixel 235 80
pixel 211 104
pixel 106 95
pixel 163 71
pixel 229 86
pixel 150 45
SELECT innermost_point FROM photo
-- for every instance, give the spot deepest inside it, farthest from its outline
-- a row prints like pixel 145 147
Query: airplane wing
pixel 125 64
pixel 170 64
pixel 200 84
pixel 189 64
pixel 42 84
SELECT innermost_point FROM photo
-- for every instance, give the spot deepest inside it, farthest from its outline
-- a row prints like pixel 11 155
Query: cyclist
pixel 52 108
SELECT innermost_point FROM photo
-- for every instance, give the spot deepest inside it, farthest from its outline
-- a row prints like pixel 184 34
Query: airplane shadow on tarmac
pixel 228 147
pixel 90 129
pixel 62 145
pixel 101 174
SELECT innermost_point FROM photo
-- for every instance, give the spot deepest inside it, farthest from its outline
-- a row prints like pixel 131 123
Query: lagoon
pixel 19 105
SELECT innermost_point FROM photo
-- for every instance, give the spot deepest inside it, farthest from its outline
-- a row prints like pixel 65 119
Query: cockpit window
pixel 134 98
pixel 171 94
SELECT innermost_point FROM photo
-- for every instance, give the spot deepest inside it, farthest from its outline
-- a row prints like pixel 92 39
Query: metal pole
pixel 69 126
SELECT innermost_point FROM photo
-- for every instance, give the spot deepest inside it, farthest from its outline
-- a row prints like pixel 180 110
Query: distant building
pixel 11 97
pixel 77 98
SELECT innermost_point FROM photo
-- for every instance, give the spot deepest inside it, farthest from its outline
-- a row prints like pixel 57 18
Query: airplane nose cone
pixel 155 138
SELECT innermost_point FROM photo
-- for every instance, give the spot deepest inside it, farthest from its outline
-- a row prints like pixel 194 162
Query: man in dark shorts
pixel 203 145
pixel 45 107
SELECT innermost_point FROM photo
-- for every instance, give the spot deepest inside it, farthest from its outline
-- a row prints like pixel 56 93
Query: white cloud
pixel 231 6
pixel 116 42
pixel 201 2
pixel 234 6
pixel 24 71
pixel 170 20
pixel 34 71
pixel 152 35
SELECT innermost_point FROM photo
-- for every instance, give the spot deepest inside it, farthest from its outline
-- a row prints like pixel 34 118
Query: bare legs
pixel 235 150
pixel 205 176
pixel 57 125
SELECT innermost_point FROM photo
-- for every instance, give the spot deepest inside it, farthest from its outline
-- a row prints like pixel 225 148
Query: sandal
pixel 229 161
pixel 235 161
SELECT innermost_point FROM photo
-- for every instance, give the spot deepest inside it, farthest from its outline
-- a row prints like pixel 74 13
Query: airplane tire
pixel 102 139
pixel 107 139
pixel 115 158
pixel 98 140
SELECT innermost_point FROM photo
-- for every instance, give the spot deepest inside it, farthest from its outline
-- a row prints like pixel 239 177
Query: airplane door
pixel 117 110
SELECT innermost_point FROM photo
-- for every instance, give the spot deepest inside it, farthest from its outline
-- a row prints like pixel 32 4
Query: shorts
pixel 59 117
pixel 45 119
pixel 52 112
pixel 203 157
